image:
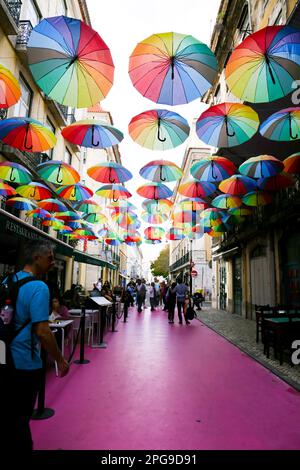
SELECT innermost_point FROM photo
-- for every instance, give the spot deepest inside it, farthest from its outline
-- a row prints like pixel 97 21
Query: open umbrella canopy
pixel 161 170
pixel 152 242
pixel 74 192
pixel 172 68
pixel 52 205
pixel 6 190
pixel 88 206
pixel 264 66
pixel 14 173
pixel 113 191
pixel 66 216
pixel 64 230
pixel 109 172
pixel 26 134
pixel 154 218
pixel 276 182
pixel 175 234
pixel 92 134
pixel 154 233
pixel 227 124
pixel 194 204
pixel 183 216
pixel 237 185
pixel 159 129
pixel 196 189
pixel 212 169
pixel 70 62
pixel 38 213
pixel 226 201
pixel 124 218
pixel 121 205
pixel 257 198
pixel 283 126
pixel 95 218
pixel 10 91
pixel 58 172
pixel 154 191
pixel 240 211
pixel 292 164
pixel 35 191
pixel 21 203
pixel 157 205
pixel 53 222
pixel 262 166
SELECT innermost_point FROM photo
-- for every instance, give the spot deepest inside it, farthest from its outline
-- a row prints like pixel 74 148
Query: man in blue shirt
pixel 32 304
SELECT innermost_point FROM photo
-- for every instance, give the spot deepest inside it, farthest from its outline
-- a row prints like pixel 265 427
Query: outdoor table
pixel 61 324
pixel 277 332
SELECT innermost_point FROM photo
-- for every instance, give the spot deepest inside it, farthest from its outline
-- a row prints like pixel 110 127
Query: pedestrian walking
pixel 152 296
pixel 140 294
pixel 181 290
pixel 171 301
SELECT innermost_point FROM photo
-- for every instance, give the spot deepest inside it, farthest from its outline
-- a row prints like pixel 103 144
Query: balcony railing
pixel 14 7
pixel 180 262
pixel 31 160
pixel 71 118
pixel 25 28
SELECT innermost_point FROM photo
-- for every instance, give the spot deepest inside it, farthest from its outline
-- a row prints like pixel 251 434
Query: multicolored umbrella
pixel 172 68
pixel 21 203
pixel 38 213
pixel 70 62
pixel 292 164
pixel 6 190
pixel 26 134
pixel 64 230
pixel 283 126
pixel 52 205
pixel 237 185
pixel 212 169
pixel 123 204
pixel 257 198
pixel 196 189
pixel 92 134
pixel 58 172
pixel 154 218
pixel 113 191
pixel 175 234
pixel 194 204
pixel 124 218
pixel 152 242
pixel 154 233
pixel 157 205
pixel 154 191
pixel 106 232
pixel 56 224
pixel 262 166
pixel 74 192
pixel 113 241
pixel 265 65
pixel 109 172
pixel 226 201
pixel 183 217
pixel 67 216
pixel 276 182
pixel 240 211
pixel 159 129
pixel 35 191
pixel 85 233
pixel 14 173
pixel 95 218
pixel 10 91
pixel 211 215
pixel 161 170
pixel 88 207
pixel 227 124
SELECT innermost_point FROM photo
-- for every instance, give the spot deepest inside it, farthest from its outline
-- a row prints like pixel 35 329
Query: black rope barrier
pixel 41 412
pixel 81 359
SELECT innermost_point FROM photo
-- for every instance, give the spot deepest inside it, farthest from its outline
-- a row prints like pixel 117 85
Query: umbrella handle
pixel 25 140
pixel 109 178
pixel 227 130
pixel 113 198
pixel 172 68
pixel 270 69
pixel 33 194
pixel 290 126
pixel 214 176
pixel 158 132
pixel 160 173
pixel 59 181
pixel 74 192
pixel 12 178
pixel 94 144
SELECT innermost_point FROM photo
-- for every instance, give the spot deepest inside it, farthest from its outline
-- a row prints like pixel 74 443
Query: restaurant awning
pixel 86 258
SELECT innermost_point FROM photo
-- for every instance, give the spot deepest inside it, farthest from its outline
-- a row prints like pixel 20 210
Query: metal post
pixel 191 278
pixel 102 344
pixel 41 412
pixel 114 315
pixel 82 338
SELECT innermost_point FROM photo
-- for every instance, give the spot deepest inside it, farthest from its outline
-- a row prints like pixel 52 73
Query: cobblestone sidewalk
pixel 242 333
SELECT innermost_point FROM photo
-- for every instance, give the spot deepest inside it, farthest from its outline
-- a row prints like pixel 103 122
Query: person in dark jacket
pixel 171 301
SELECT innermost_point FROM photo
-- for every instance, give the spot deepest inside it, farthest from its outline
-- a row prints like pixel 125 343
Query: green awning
pixel 82 257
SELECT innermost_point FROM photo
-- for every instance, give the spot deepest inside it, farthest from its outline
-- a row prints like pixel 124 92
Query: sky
pixel 122 24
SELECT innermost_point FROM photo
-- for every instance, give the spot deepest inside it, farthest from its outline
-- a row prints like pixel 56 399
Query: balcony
pixel 59 111
pixel 116 258
pixel 10 14
pixel 25 28
pixel 184 260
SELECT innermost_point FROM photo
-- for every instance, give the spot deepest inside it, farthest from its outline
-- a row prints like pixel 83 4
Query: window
pixel 52 129
pixel 23 107
pixel 68 156
pixel 62 8
pixel 30 12
pixel 243 26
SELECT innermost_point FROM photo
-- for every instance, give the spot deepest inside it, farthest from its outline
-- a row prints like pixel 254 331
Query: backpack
pixel 190 312
pixel 9 292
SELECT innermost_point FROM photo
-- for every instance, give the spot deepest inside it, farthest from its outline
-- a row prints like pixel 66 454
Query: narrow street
pixel 160 386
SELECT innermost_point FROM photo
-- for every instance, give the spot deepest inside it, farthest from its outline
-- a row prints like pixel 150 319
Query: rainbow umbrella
pixel 237 185
pixel 74 192
pixel 26 134
pixel 34 190
pixel 175 234
pixel 113 191
pixel 85 233
pixel 157 205
pixel 212 233
pixel 52 205
pixel 14 173
pixel 21 203
pixel 283 126
pixel 159 129
pixel 276 182
pixel 67 216
pixel 10 91
pixel 95 218
pixel 172 68
pixel 109 172
pixel 211 214
pixel 70 62
pixel 265 65
pixel 161 170
pixel 212 169
pixel 122 204
pixel 88 207
pixel 6 190
pixel 53 222
pixel 154 191
pixel 124 218
pixel 74 224
pixel 154 218
pixel 240 211
pixel 226 201
pixel 292 164
pixel 152 242
pixel 58 172
pixel 227 124
pixel 113 241
pixel 257 198
pixel 64 230
pixel 38 213
pixel 262 166
pixel 154 233
pixel 194 204
pixel 106 232
pixel 183 217
pixel 196 189
pixel 92 134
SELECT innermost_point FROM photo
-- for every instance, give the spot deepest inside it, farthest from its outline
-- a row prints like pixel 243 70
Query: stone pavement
pixel 242 333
